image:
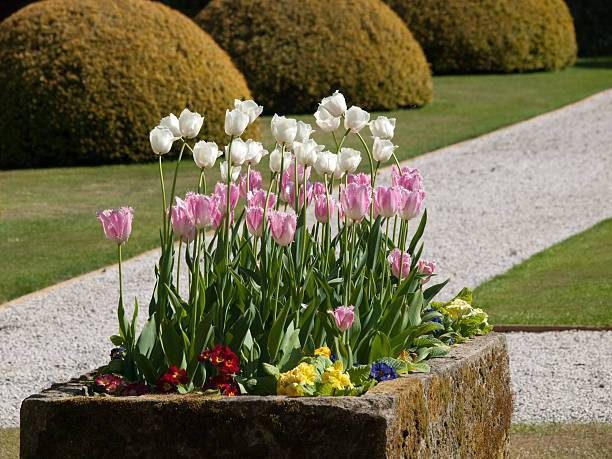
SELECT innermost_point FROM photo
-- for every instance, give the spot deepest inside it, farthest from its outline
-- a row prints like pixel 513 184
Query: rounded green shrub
pixel 83 81
pixel 293 53
pixel 473 36
pixel 593 21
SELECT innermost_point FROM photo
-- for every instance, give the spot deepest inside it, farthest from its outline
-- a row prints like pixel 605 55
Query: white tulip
pixel 334 104
pixel 284 129
pixel 255 151
pixel 383 127
pixel 382 149
pixel 236 122
pixel 161 139
pixel 172 123
pixel 235 172
pixel 205 154
pixel 239 151
pixel 306 152
pixel 356 119
pixel 348 159
pixel 190 123
pixel 277 160
pixel 338 173
pixel 326 163
pixel 249 108
pixel 304 131
pixel 326 121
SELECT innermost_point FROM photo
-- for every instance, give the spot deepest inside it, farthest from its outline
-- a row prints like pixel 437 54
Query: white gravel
pixel 561 376
pixel 493 202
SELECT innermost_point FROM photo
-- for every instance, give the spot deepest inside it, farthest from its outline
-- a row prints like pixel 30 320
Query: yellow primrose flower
pixel 290 383
pixel 290 390
pixel 323 351
pixel 458 308
pixel 336 377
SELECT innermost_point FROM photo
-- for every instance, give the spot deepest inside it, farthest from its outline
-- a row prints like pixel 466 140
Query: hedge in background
pixel 83 81
pixel 293 53
pixel 473 36
pixel 593 21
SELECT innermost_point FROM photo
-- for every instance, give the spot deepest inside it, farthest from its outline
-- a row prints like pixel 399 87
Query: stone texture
pixel 461 409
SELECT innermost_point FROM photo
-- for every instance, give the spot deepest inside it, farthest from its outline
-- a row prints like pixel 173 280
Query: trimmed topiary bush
pixel 293 53
pixel 464 36
pixel 83 81
pixel 593 21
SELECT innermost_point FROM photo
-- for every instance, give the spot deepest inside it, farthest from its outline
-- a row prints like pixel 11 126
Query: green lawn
pixel 48 230
pixel 567 284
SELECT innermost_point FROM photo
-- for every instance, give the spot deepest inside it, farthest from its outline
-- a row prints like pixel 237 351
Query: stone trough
pixel 461 409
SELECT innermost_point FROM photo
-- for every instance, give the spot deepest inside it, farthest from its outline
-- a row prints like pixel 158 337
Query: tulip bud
pixel 258 198
pixel 202 209
pixel 284 129
pixel 181 220
pixel 307 151
pixel 334 104
pixel 382 149
pixel 326 163
pixel 172 123
pixel 254 220
pixel 161 139
pixel 407 178
pixel 239 151
pixel 326 121
pixel 322 211
pixel 249 108
pixel 255 181
pixel 348 159
pixel 426 269
pixel 344 317
pixel 411 204
pixel 356 119
pixel 223 169
pixel 278 159
pixel 383 127
pixel 387 201
pixel 205 154
pixel 117 223
pixel 221 197
pixel 190 123
pixel 255 151
pixel 236 122
pixel 356 200
pixel 400 263
pixel 282 226
pixel 304 131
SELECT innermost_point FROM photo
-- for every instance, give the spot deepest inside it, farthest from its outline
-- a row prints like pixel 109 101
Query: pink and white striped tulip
pixel 411 203
pixel 322 212
pixel 202 209
pixel 181 221
pixel 387 201
pixel 426 269
pixel 356 200
pixel 282 226
pixel 344 317
pixel 117 223
pixel 400 263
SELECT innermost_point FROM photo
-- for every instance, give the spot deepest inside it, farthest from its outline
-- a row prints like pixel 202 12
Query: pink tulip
pixel 387 201
pixel 254 220
pixel 399 262
pixel 344 316
pixel 219 218
pixel 356 201
pixel 258 199
pixel 361 179
pixel 117 223
pixel 288 194
pixel 411 203
pixel 221 194
pixel 426 269
pixel 202 209
pixel 318 188
pixel 407 178
pixel 255 181
pixel 282 226
pixel 321 211
pixel 182 224
pixel 289 174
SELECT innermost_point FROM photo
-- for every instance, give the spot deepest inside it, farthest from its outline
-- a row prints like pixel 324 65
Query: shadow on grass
pixel 595 63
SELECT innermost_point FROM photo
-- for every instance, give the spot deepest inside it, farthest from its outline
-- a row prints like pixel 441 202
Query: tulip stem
pixel 163 191
pixel 228 196
pixel 327 227
pixel 280 176
pixel 397 163
pixel 305 203
pixel 178 266
pixel 248 180
pixel 120 274
pixel 372 176
pixel 176 171
pixel 202 182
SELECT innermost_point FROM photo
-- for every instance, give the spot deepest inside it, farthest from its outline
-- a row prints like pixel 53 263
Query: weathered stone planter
pixel 461 409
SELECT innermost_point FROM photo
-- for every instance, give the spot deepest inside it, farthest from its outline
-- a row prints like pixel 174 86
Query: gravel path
pixel 493 202
pixel 561 376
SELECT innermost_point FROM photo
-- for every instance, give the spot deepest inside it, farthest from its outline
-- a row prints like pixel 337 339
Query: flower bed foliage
pixel 592 19
pixel 276 303
pixel 307 48
pixel 473 36
pixel 82 81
